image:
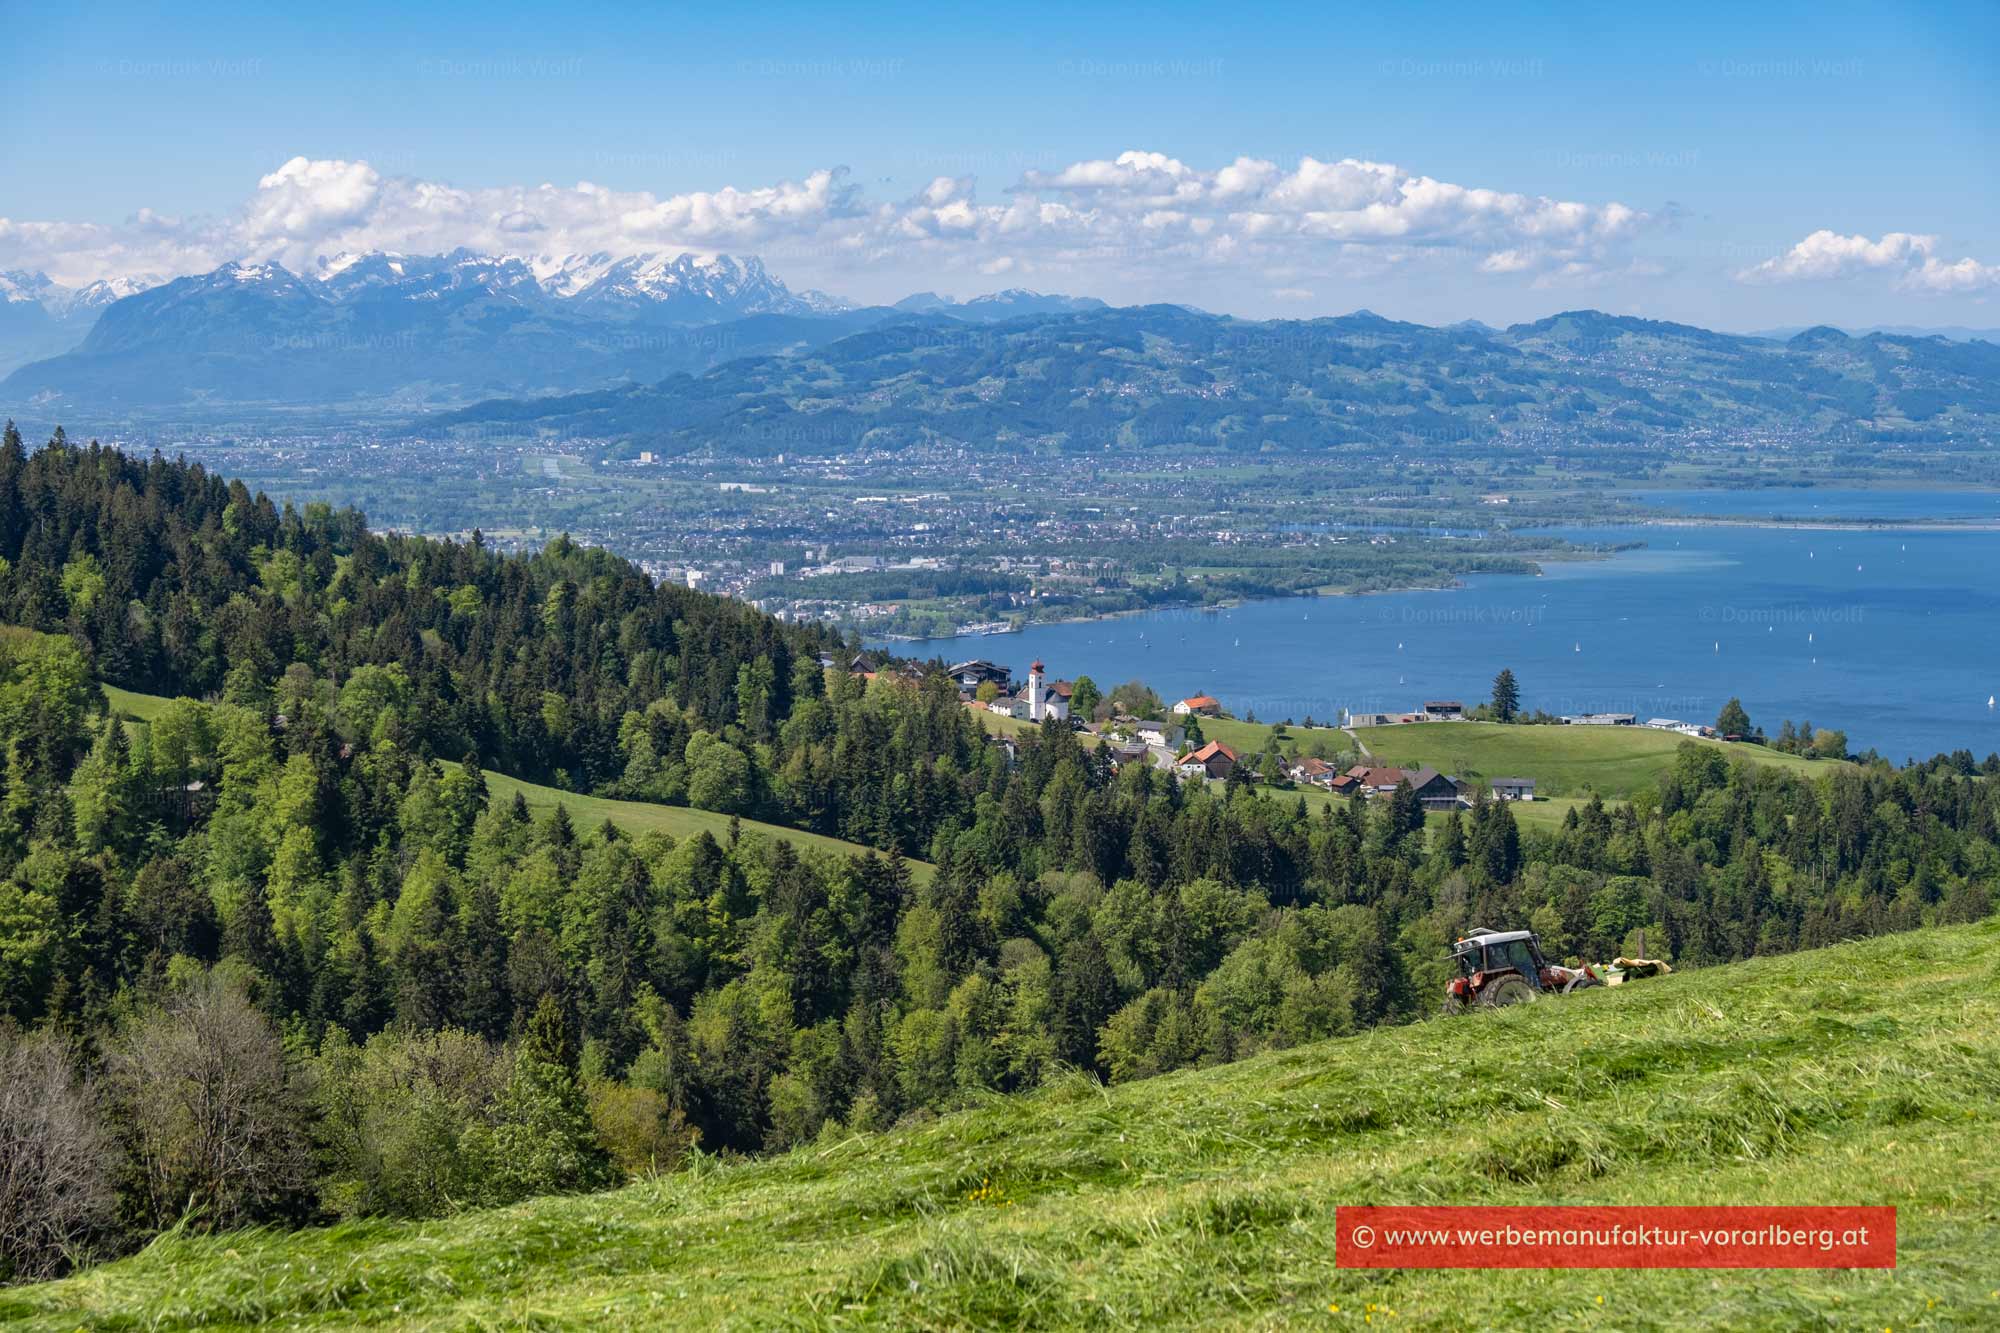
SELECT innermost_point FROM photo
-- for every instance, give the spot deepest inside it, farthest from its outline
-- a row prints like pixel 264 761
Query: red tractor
pixel 1504 967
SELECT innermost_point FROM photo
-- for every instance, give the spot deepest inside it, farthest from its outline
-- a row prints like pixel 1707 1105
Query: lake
pixel 1893 637
pixel 1811 504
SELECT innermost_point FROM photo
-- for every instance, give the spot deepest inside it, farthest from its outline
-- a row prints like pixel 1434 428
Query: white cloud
pixel 1962 275
pixel 1909 257
pixel 306 198
pixel 1134 216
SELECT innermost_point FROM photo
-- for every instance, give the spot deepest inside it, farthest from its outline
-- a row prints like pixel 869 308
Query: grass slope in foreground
pixel 1564 761
pixel 1868 1073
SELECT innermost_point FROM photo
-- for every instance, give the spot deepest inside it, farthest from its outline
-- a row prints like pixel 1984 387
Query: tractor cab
pixel 1505 967
pixel 1489 953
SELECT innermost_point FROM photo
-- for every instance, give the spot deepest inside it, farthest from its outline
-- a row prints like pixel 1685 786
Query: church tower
pixel 1036 708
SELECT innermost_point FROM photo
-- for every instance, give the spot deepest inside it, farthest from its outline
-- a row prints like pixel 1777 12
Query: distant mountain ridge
pixel 1169 376
pixel 41 317
pixel 680 352
pixel 1954 332
pixel 389 328
pixel 1009 304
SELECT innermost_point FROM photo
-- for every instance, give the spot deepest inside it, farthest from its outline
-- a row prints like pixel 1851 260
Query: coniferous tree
pixel 1085 996
pixel 541 1141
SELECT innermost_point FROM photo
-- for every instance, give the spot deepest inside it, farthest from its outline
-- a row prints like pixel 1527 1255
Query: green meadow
pixel 1564 761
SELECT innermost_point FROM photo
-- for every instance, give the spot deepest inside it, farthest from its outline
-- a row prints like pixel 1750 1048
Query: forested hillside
pixel 1165 376
pixel 426 999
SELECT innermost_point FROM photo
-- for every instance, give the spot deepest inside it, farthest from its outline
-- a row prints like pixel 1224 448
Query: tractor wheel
pixel 1581 983
pixel 1507 990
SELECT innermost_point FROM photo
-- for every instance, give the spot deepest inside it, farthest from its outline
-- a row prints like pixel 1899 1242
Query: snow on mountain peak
pixel 682 286
pixel 21 286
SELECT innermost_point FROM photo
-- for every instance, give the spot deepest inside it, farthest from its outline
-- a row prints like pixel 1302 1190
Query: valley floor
pixel 1868 1073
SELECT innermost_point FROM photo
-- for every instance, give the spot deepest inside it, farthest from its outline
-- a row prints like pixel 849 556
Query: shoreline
pixel 1826 524
pixel 1565 557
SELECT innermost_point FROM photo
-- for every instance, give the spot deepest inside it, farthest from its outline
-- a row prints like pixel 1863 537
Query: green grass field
pixel 1255 737
pixel 1869 1073
pixel 134 707
pixel 1564 761
pixel 587 812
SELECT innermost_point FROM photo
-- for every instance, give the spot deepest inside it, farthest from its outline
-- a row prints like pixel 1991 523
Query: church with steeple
pixel 1046 701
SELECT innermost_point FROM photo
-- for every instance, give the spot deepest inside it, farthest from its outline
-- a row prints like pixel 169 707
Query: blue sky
pixel 1500 166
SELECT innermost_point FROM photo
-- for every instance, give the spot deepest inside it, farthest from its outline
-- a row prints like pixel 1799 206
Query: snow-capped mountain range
pixel 691 288
pixel 382 331
pixel 60 302
pixel 398 329
pixel 41 317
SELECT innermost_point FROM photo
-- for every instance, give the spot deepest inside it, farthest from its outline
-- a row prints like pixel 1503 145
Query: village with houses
pixel 1545 764
pixel 1173 741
